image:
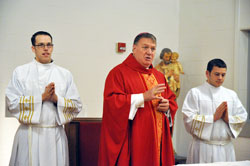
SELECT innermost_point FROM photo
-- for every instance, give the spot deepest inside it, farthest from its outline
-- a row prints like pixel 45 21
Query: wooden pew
pixel 83 138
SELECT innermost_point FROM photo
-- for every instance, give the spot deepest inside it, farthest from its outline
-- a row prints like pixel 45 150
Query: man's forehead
pixel 147 43
pixel 145 39
pixel 219 69
pixel 43 38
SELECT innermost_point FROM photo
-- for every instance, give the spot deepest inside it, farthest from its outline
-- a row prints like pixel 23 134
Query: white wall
pixel 207 31
pixel 242 22
pixel 85 35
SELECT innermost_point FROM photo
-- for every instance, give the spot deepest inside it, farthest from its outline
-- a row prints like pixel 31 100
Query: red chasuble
pixel 145 140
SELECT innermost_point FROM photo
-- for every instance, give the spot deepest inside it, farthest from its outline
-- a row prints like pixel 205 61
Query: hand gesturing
pixel 153 93
pixel 163 105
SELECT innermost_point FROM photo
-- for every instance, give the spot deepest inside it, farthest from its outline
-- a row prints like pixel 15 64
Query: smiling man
pixel 135 127
pixel 213 115
pixel 43 97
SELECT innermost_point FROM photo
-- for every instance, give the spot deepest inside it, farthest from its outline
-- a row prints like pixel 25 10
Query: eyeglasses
pixel 49 45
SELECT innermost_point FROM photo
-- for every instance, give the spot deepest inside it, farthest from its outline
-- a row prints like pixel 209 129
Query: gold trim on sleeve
pixel 197 125
pixel 68 110
pixel 26 106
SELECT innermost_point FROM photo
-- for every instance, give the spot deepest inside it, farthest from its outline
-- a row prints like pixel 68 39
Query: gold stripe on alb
pixel 237 118
pixel 202 125
pixel 65 108
pixel 20 109
pixel 70 109
pixel 193 124
pixel 23 108
pixel 32 108
pixel 198 128
pixel 28 118
pixel 27 110
pixel 72 115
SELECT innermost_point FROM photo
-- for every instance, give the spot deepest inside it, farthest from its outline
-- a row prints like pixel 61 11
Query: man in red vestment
pixel 138 108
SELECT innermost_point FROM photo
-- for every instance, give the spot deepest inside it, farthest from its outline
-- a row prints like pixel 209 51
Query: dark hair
pixel 216 62
pixel 33 38
pixel 144 35
pixel 163 51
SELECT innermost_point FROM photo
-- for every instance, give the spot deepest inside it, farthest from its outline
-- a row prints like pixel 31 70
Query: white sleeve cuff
pixel 169 118
pixel 137 101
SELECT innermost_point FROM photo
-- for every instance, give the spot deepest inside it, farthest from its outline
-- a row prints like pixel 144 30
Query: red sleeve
pixel 115 118
pixel 172 101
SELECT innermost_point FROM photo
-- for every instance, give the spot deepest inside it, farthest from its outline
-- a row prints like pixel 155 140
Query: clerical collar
pixel 42 64
pixel 132 63
pixel 211 86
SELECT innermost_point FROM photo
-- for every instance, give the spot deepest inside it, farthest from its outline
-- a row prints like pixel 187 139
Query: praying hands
pixel 221 112
pixel 49 93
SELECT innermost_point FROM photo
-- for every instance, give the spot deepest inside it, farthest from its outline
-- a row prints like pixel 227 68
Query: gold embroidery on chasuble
pixel 68 110
pixel 151 81
pixel 26 105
